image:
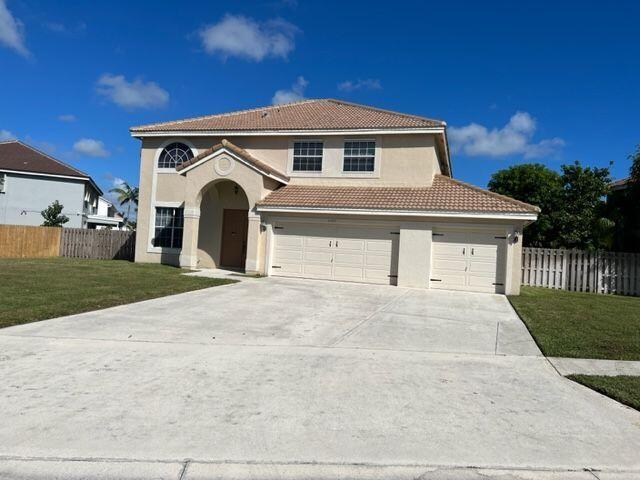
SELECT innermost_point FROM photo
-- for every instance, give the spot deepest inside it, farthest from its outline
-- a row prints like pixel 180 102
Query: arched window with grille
pixel 174 154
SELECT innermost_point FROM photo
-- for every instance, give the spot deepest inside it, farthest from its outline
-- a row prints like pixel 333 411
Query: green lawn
pixel 36 289
pixel 622 388
pixel 581 325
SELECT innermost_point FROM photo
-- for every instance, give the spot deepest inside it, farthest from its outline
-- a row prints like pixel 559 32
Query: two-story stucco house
pixel 323 189
pixel 31 180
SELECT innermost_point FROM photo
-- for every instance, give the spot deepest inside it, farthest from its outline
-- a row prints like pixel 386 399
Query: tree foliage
pixel 571 203
pixel 581 221
pixel 622 206
pixel 53 216
pixel 127 195
pixel 535 184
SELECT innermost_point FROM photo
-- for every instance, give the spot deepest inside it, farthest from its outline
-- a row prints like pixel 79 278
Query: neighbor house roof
pixel 620 184
pixel 18 156
pixel 314 114
pixel 444 195
pixel 240 152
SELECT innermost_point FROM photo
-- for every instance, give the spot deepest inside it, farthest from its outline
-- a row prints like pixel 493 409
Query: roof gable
pixel 20 157
pixel 15 155
pixel 313 114
pixel 237 152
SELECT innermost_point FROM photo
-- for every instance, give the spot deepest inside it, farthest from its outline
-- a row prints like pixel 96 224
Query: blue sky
pixel 549 82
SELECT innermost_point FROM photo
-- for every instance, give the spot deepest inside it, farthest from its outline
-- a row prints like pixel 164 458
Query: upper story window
pixel 174 154
pixel 307 156
pixel 3 182
pixel 359 156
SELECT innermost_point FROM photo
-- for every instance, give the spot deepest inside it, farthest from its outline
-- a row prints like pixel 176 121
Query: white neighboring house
pixel 106 217
pixel 31 180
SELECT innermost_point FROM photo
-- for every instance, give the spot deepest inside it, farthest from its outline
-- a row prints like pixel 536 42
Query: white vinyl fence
pixel 582 271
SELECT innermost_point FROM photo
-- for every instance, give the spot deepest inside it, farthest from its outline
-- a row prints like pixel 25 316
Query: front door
pixel 233 252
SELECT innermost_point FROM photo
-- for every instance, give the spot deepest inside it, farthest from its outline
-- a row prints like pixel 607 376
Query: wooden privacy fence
pixel 97 244
pixel 582 271
pixel 21 241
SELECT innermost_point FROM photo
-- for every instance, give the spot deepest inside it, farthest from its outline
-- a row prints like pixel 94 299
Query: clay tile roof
pixel 15 155
pixel 315 114
pixel 242 153
pixel 445 194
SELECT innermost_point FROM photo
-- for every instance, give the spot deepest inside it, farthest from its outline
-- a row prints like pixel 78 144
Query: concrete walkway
pixel 590 366
pixel 293 379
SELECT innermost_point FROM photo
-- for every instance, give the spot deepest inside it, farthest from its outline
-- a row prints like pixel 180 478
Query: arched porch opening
pixel 223 226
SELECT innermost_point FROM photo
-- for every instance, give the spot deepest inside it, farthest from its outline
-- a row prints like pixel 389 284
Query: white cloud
pixel 118 182
pixel 135 94
pixel 90 147
pixel 6 135
pixel 294 94
pixel 11 31
pixel 240 36
pixel 366 84
pixel 67 118
pixel 514 138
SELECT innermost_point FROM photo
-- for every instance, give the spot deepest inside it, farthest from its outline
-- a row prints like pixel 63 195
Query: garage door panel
pixel 380 246
pixel 378 260
pixel 444 264
pixel 349 254
pixel 447 250
pixel 445 280
pixel 467 260
pixel 288 255
pixel 312 270
pixel 349 244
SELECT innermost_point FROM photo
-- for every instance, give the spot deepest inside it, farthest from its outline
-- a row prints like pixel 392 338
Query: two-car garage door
pixel 357 254
pixel 472 260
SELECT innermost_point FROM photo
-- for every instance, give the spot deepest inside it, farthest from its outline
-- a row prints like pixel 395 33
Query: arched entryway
pixel 223 226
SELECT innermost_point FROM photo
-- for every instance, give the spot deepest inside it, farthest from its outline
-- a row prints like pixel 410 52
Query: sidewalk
pixel 590 366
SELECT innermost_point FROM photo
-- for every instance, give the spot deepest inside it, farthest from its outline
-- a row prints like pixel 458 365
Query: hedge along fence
pixel 581 270
pixel 19 241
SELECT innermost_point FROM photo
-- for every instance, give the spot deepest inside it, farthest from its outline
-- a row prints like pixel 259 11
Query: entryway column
pixel 189 252
pixel 414 255
pixel 253 244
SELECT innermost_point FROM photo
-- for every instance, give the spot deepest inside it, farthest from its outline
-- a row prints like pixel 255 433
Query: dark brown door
pixel 233 251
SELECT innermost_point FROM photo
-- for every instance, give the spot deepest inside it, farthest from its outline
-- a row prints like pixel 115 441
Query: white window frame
pixel 306 173
pixel 165 144
pixel 375 157
pixel 151 248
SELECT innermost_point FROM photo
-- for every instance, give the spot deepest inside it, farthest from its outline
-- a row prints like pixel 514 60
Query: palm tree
pixel 127 195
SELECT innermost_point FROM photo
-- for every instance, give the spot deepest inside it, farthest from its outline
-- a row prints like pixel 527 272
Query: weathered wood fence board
pixel 582 271
pixel 22 241
pixel 97 244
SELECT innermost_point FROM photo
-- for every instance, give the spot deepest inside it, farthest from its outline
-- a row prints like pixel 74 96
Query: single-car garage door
pixel 468 260
pixel 353 254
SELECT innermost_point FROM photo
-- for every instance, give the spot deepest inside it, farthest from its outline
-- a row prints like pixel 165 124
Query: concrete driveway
pixel 276 378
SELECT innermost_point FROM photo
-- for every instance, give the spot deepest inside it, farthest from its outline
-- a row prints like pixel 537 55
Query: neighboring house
pixel 106 217
pixel 323 189
pixel 620 184
pixel 31 180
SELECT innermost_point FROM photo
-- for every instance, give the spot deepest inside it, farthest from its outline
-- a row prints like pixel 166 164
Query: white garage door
pixel 468 260
pixel 351 254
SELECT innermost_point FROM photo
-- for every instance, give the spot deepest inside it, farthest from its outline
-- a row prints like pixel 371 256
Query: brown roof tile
pixel 315 114
pixel 15 155
pixel 241 152
pixel 445 194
